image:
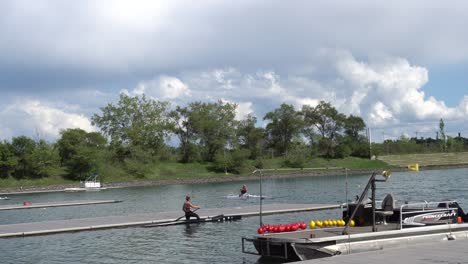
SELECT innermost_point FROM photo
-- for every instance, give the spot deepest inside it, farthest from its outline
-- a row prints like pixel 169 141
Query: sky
pixel 400 65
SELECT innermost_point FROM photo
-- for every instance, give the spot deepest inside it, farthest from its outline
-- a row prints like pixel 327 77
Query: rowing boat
pixel 208 219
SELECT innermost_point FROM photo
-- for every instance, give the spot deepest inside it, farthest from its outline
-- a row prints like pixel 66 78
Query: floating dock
pixel 448 251
pixel 88 224
pixel 27 205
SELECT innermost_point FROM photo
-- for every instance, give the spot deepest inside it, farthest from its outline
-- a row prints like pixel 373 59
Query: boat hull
pixel 296 249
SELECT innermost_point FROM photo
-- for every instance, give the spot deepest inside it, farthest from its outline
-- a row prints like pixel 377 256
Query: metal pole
pixel 373 206
pixel 261 198
pixel 346 191
pixel 359 202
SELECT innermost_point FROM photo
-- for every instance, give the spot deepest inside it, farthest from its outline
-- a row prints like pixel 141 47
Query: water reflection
pixel 191 229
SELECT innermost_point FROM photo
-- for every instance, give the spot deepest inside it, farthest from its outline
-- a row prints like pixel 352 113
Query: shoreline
pixel 216 179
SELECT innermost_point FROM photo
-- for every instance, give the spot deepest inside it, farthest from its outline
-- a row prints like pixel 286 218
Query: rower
pixel 187 208
pixel 243 190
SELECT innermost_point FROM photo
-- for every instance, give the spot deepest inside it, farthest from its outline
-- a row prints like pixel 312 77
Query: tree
pixel 79 151
pixel 184 129
pixel 22 148
pixel 443 138
pixel 357 144
pixel 328 122
pixel 135 121
pixel 250 137
pixel 353 125
pixel 8 161
pixel 43 159
pixel 213 125
pixel 284 124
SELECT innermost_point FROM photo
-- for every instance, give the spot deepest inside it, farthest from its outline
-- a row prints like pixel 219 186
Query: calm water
pixel 203 243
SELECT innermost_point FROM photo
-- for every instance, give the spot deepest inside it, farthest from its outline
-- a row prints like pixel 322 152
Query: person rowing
pixel 243 190
pixel 187 208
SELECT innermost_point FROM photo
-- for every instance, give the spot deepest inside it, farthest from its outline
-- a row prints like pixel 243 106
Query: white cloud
pixel 391 88
pixel 243 110
pixel 34 118
pixel 463 106
pixel 163 88
pixel 387 91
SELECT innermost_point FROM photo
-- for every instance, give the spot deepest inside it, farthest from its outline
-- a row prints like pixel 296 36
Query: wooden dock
pixel 45 205
pixel 88 224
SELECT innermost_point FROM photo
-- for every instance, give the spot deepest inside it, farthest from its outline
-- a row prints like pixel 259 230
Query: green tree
pixel 80 151
pixel 353 125
pixel 357 144
pixel 328 122
pixel 284 124
pixel 135 121
pixel 233 161
pixel 250 137
pixel 22 148
pixel 214 126
pixel 185 131
pixel 443 138
pixel 43 159
pixel 8 161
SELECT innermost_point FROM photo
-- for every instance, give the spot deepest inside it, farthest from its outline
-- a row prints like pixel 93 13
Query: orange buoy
pixel 459 220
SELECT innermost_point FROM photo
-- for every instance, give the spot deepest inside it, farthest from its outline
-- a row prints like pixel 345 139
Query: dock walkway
pixel 88 224
pixel 54 204
pixel 449 252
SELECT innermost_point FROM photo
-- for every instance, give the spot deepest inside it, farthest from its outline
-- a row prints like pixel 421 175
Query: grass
pixel 49 181
pixel 432 159
pixel 349 163
pixel 175 170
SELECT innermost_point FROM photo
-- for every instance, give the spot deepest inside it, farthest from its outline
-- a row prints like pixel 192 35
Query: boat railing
pixel 91 182
pixel 426 207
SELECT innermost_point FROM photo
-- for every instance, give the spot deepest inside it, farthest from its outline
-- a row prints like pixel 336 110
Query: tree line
pixel 138 132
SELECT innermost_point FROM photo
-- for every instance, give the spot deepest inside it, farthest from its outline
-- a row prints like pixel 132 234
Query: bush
pixel 231 161
pixel 342 151
pixel 296 158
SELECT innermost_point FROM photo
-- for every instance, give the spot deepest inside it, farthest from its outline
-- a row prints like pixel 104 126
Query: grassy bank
pixel 175 170
pixel 431 159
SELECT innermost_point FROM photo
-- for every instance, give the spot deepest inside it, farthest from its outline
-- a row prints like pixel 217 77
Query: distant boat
pixel 92 183
pixel 4 198
pixel 413 167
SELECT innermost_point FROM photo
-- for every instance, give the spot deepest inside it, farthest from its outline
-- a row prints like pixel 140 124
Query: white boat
pixel 4 198
pixel 244 196
pixel 390 226
pixel 92 183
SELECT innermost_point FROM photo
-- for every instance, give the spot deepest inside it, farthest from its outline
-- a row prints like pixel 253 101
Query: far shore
pixel 215 179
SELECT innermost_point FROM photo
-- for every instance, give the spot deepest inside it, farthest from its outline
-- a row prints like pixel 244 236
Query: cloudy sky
pixel 401 65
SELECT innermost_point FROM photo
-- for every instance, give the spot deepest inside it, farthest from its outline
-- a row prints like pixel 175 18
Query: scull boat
pixel 208 219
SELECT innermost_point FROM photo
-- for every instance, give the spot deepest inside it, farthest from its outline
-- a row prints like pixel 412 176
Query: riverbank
pixel 275 174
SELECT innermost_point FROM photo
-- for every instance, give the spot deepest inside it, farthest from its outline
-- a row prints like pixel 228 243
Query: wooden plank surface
pixel 83 224
pixel 59 204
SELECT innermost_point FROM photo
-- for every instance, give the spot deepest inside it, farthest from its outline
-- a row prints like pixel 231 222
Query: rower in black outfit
pixel 187 208
pixel 243 190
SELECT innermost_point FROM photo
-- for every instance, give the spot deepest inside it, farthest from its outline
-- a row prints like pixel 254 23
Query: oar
pixel 184 215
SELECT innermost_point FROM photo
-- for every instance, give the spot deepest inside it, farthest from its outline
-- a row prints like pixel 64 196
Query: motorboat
pixel 92 183
pixel 364 226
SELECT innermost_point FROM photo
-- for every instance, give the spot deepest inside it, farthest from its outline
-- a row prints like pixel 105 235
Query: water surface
pixel 199 243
